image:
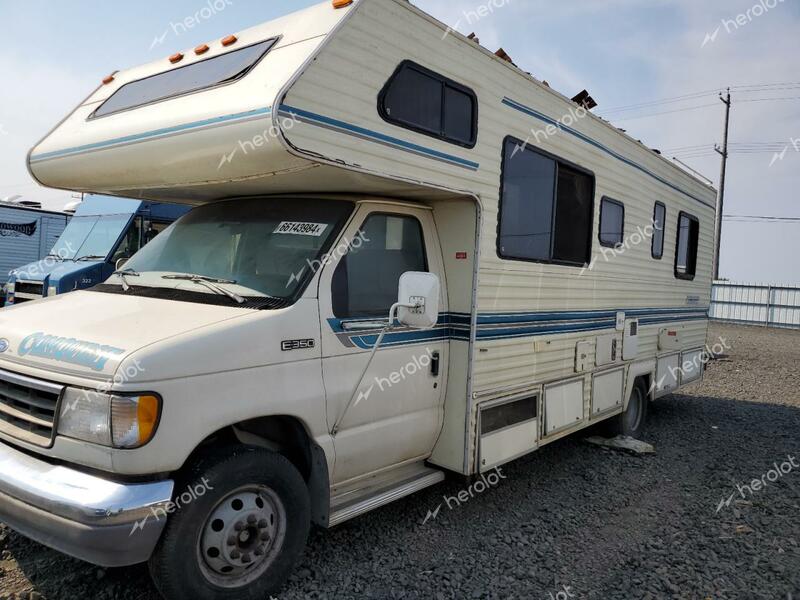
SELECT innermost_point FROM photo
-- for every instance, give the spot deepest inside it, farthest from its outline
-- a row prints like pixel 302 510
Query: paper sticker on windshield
pixel 298 228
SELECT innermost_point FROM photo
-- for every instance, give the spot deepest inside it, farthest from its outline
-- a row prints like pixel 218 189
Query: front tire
pixel 241 538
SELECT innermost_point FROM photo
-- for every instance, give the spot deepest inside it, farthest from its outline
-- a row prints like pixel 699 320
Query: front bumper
pixel 85 516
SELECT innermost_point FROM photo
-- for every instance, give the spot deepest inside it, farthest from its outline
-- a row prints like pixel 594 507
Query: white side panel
pixel 668 374
pixel 563 405
pixel 692 366
pixel 607 390
pixel 504 446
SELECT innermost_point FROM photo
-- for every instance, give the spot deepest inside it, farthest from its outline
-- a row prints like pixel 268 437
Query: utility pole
pixel 721 196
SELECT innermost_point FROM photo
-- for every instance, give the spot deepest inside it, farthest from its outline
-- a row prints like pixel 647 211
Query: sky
pixel 625 52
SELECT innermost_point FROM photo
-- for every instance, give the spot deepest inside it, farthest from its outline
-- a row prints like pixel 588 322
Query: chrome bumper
pixel 85 516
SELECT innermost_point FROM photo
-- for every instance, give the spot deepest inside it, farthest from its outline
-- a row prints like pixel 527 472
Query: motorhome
pixel 403 261
pixel 104 232
pixel 26 234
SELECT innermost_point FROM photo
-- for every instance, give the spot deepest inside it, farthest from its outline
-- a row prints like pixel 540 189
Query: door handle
pixel 435 364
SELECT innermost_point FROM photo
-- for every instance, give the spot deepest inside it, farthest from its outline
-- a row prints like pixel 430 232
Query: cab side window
pixel 366 280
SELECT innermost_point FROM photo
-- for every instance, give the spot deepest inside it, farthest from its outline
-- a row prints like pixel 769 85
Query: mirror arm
pixel 378 342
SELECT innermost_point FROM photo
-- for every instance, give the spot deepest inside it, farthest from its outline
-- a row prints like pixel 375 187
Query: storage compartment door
pixel 607 391
pixel 509 429
pixel 563 405
pixel 668 374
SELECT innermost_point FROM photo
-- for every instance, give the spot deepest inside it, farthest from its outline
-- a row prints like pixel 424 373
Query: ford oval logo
pixel 3 346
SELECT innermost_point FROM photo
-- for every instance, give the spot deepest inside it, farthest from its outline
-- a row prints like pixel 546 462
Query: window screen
pixel 659 219
pixel 366 280
pixel 424 101
pixel 612 223
pixel 205 74
pixel 686 251
pixel 546 209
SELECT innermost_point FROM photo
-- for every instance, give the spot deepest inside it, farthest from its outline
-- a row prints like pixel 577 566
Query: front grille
pixel 28 408
pixel 25 291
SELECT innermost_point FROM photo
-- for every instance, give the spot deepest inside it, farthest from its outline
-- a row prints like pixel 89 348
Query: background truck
pixel 103 232
pixel 26 235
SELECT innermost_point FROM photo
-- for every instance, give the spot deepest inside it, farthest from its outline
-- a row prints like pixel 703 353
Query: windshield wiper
pixel 122 274
pixel 210 283
pixel 58 257
pixel 90 257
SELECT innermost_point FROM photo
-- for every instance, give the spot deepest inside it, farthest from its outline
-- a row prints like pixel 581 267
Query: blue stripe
pixel 380 137
pixel 152 134
pixel 536 114
pixel 456 326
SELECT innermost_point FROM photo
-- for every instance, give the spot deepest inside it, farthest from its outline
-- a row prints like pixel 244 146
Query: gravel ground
pixel 570 521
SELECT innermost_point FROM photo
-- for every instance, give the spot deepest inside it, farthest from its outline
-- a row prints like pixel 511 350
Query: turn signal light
pixel 176 58
pixel 230 40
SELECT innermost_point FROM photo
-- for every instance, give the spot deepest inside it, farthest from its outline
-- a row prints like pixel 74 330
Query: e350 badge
pixel 3 346
pixel 289 345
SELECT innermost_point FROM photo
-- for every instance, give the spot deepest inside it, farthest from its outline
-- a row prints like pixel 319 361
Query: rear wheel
pixel 239 539
pixel 631 423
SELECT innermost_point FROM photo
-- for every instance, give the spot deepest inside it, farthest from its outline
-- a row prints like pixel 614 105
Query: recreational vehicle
pixel 26 234
pixel 103 232
pixel 403 261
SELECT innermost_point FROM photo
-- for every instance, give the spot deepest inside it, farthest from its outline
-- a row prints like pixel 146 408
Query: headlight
pixel 107 419
pixel 10 287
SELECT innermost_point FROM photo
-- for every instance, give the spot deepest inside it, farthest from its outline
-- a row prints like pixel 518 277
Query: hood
pixel 88 334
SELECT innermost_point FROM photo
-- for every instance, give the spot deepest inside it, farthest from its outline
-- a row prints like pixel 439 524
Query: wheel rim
pixel 635 410
pixel 242 536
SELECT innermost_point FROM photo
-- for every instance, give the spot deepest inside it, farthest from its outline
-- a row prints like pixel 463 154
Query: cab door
pixel 397 413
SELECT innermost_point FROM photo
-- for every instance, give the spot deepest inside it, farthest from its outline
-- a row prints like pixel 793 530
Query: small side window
pixel 612 223
pixel 366 280
pixel 659 219
pixel 419 99
pixel 686 250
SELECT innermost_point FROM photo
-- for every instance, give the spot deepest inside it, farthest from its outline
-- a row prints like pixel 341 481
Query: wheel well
pixel 287 436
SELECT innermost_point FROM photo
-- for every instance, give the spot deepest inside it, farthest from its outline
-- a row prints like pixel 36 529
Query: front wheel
pixel 238 530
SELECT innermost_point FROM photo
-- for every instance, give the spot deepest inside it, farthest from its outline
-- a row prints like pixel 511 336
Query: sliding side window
pixel 546 208
pixel 686 251
pixel 419 99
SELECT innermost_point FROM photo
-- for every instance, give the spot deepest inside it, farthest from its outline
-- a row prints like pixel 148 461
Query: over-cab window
pixel 612 223
pixel 218 70
pixel 366 280
pixel 686 251
pixel 546 208
pixel 659 220
pixel 419 99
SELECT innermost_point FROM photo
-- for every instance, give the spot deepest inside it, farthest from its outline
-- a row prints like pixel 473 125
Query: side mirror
pixel 418 300
pixel 121 262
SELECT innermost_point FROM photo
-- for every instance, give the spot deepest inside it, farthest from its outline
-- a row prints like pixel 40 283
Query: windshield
pixel 90 236
pixel 270 247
